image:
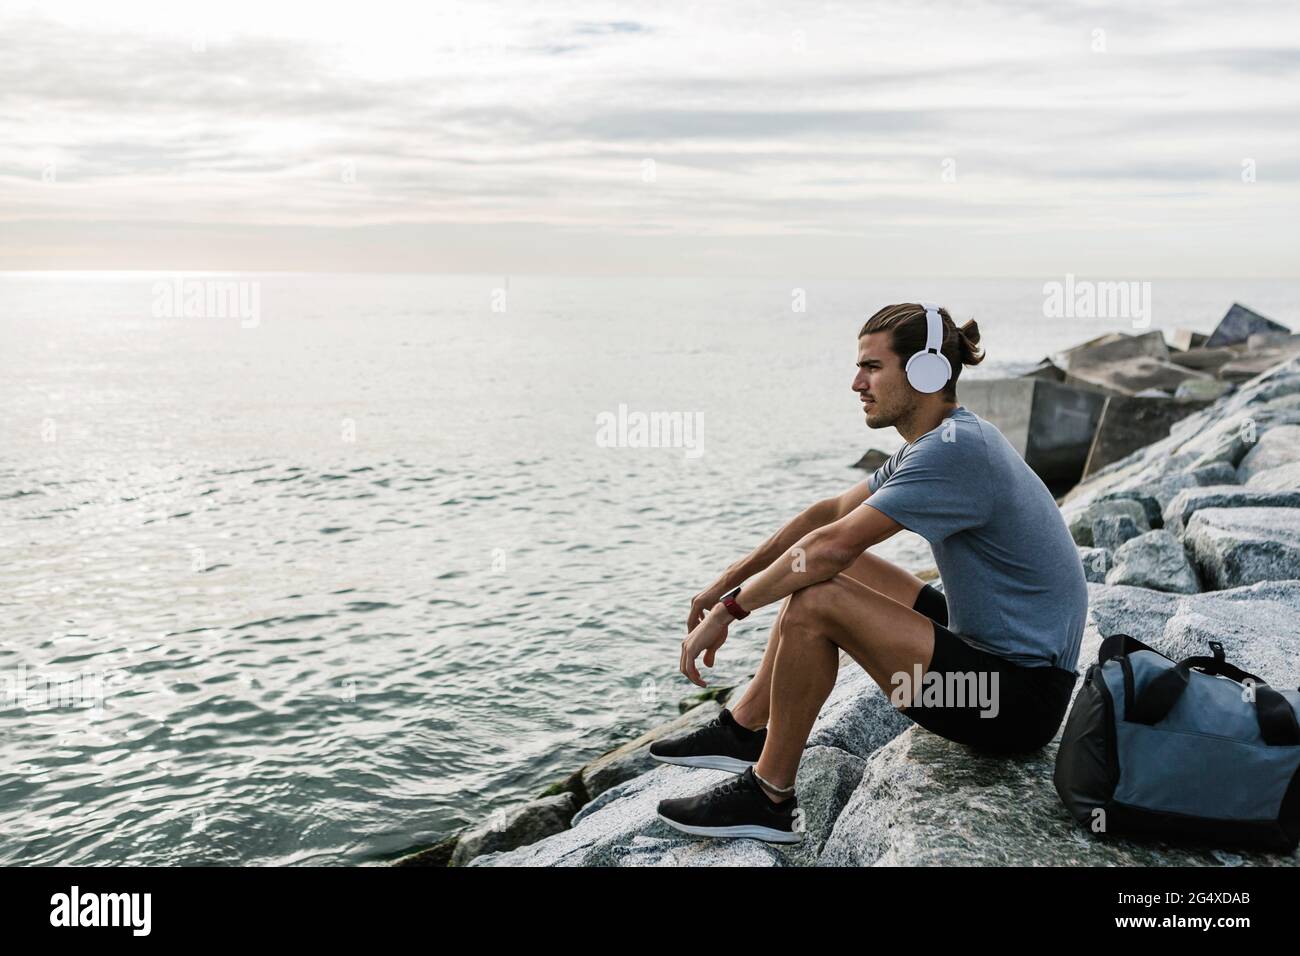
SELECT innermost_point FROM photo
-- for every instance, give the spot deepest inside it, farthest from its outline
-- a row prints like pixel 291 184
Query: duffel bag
pixel 1194 750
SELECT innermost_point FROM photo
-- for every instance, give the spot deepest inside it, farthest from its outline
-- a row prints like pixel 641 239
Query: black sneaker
pixel 721 744
pixel 736 808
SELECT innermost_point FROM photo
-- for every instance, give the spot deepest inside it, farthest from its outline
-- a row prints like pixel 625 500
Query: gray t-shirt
pixel 1011 572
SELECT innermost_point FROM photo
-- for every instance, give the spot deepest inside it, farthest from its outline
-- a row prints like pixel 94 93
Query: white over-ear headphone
pixel 928 370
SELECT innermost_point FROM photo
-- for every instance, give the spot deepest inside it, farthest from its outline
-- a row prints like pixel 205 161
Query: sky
pixel 860 139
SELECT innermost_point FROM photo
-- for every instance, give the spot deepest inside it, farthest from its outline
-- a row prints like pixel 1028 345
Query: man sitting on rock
pixel 988 662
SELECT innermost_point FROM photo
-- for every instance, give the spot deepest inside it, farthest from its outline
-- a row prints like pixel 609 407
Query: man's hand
pixel 701 603
pixel 704 639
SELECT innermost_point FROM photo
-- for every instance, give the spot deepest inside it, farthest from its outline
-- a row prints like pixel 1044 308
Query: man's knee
pixel 811 604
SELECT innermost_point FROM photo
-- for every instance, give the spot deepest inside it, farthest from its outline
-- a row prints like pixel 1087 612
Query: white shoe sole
pixel 710 762
pixel 749 830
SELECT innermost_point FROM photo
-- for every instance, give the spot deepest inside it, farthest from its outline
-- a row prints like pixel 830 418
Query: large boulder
pixel 622 827
pixel 1114 347
pixel 1050 424
pixel 1256 623
pixel 1110 532
pixel 1237 546
pixel 1206 360
pixel 1278 446
pixel 1202 390
pixel 1131 422
pixel 871 459
pixel 924 800
pixel 1281 478
pixel 1153 560
pixel 1183 339
pixel 517 827
pixel 1081 520
pixel 1256 628
pixel 1224 431
pixel 1190 500
pixel 1238 324
pixel 1046 369
pixel 1248 366
pixel 1150 506
pixel 857 718
pixel 1269 340
pixel 1133 375
pixel 1096 562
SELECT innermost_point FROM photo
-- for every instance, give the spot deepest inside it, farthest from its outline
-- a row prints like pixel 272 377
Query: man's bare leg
pixel 881 634
pixel 898 584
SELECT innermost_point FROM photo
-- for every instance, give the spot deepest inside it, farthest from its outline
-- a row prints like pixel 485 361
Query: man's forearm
pixel 794 530
pixel 815 557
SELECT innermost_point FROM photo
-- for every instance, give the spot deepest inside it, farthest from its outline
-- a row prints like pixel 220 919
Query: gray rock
pixel 1111 532
pixel 618 821
pixel 1129 423
pixel 1154 560
pixel 633 758
pixel 1114 347
pixel 1238 324
pixel 1184 339
pixel 1225 441
pixel 1202 390
pixel 1229 429
pixel 1268 340
pixel 1270 388
pixel 1254 363
pixel 1133 375
pixel 437 855
pixel 871 459
pixel 1278 446
pixel 1050 425
pixel 1096 562
pixel 1190 500
pixel 1150 506
pixel 857 718
pixel 517 827
pixel 1046 369
pixel 1263 641
pixel 1215 473
pixel 1081 520
pixel 658 851
pixel 1141 612
pixel 626 830
pixel 827 779
pixel 1206 360
pixel 1167 488
pixel 1237 546
pixel 1266 608
pixel 1282 478
pixel 925 801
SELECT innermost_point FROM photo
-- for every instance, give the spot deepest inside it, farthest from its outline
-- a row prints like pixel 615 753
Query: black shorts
pixel 1026 704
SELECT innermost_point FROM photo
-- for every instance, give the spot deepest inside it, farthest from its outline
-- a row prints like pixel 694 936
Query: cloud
pixel 711 120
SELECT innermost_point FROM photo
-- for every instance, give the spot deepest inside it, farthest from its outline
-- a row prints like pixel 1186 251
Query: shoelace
pixel 731 786
pixel 735 783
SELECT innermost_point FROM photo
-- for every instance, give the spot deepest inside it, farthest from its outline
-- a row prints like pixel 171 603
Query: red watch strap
pixel 729 602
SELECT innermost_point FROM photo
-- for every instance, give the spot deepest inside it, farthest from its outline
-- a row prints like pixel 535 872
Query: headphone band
pixel 933 327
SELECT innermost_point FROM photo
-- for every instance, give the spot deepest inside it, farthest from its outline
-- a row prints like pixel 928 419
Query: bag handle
pixel 1277 723
pixel 1119 645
